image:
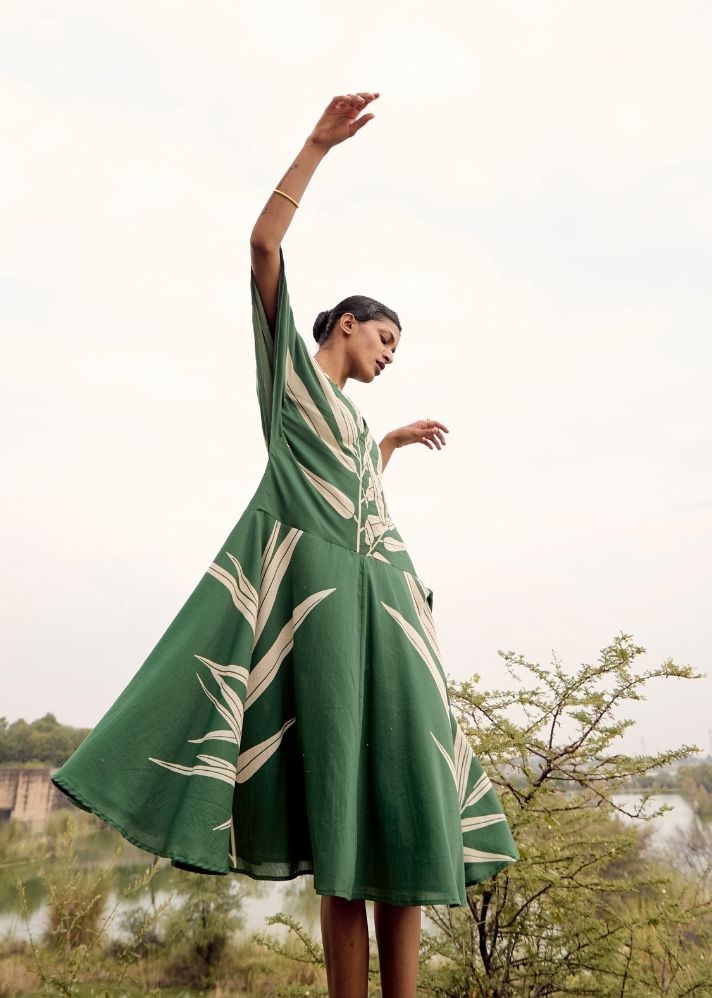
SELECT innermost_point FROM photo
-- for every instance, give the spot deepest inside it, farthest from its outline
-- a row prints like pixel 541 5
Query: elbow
pixel 259 244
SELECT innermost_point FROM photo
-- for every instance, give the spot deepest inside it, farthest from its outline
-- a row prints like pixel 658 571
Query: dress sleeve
pixel 271 352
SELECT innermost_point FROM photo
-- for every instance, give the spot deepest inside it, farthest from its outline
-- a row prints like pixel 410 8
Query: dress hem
pixel 359 895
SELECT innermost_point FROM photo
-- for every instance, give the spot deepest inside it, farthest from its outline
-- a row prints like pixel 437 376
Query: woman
pixel 294 717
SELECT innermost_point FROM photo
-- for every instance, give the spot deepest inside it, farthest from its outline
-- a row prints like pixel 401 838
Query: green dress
pixel 294 717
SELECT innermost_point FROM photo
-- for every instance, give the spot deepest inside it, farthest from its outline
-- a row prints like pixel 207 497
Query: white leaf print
pixel 255 757
pixel 393 544
pixel 219 736
pixel 227 701
pixel 269 547
pixel 342 415
pixel 376 524
pixel 232 853
pixel 232 699
pixel 310 412
pixel 218 761
pixel 375 479
pixel 478 856
pixel 420 646
pixel 262 674
pixel 358 440
pixel 446 757
pixel 422 608
pixel 224 772
pixel 243 593
pixel 368 533
pixel 460 768
pixel 353 421
pixel 233 845
pixel 484 821
pixel 238 672
pixel 232 713
pixel 479 790
pixel 463 760
pixel 272 578
pixel 379 557
pixel 335 497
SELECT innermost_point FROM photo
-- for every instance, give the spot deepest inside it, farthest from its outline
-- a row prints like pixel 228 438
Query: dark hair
pixel 361 307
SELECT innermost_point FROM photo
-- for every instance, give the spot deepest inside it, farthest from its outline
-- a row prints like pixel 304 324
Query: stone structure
pixel 29 795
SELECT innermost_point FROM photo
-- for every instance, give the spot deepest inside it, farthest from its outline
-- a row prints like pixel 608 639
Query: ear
pixel 348 323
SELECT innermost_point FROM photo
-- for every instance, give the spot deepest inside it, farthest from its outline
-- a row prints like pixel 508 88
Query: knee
pixel 342 906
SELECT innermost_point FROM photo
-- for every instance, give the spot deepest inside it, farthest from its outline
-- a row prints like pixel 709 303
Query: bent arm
pixel 423 431
pixel 387 445
pixel 273 222
pixel 339 121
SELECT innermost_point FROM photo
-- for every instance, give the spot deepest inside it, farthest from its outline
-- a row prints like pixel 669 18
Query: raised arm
pixel 338 122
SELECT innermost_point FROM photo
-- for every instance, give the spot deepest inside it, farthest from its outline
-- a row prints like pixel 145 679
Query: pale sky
pixel 534 199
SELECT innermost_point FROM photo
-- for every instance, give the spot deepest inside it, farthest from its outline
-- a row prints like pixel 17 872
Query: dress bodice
pixel 324 469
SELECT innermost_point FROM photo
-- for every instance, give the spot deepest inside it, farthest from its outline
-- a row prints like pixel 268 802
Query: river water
pixel 296 898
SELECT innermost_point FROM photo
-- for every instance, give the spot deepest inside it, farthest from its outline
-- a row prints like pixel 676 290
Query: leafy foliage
pixel 199 927
pixel 696 786
pixel 42 741
pixel 77 928
pixel 587 910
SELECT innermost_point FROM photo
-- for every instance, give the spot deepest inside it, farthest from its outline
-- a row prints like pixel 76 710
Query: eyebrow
pixel 384 329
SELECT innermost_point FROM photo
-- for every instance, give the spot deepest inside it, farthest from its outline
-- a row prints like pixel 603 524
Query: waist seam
pixel 344 547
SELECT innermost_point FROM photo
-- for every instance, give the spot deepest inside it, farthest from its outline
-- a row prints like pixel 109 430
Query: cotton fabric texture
pixel 294 717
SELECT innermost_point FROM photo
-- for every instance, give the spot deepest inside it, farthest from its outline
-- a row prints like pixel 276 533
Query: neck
pixel 332 366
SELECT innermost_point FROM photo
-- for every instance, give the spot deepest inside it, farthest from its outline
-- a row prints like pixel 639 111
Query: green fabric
pixel 294 717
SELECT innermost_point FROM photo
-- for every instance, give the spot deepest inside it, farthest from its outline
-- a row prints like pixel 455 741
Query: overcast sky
pixel 534 199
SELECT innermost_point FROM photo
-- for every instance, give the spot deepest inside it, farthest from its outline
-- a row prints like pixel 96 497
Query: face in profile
pixel 371 347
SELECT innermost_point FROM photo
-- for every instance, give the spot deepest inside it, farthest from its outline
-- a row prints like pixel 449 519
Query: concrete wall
pixel 28 795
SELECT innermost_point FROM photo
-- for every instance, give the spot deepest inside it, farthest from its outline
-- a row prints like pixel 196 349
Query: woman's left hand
pixel 423 431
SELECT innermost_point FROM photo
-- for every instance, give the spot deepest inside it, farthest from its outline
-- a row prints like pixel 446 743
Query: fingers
pixel 360 122
pixel 433 433
pixel 430 440
pixel 357 101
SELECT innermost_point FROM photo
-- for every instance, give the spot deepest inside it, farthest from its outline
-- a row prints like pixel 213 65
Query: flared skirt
pixel 293 719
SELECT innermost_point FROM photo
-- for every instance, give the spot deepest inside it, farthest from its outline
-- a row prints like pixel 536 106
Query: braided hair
pixel 361 307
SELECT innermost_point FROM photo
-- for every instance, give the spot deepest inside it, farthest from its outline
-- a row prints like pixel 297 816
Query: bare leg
pixel 344 931
pixel 398 938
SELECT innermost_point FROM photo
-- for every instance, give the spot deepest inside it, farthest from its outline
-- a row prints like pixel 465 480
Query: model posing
pixel 294 717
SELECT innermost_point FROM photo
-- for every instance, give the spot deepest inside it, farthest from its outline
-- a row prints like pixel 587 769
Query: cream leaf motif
pixel 460 764
pixel 335 497
pixel 232 701
pixel 428 656
pixel 354 448
pixel 479 856
pixel 348 430
pixel 243 593
pixel 312 415
pixel 458 755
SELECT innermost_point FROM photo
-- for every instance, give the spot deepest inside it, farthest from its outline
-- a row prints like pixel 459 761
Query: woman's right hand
pixel 340 119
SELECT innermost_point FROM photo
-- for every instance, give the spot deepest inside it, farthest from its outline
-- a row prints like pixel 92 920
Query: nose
pixel 388 357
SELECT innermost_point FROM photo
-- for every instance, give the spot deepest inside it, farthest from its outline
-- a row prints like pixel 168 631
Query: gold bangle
pixel 277 191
